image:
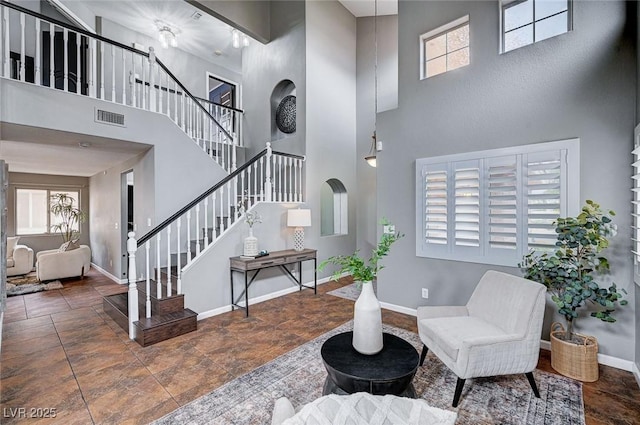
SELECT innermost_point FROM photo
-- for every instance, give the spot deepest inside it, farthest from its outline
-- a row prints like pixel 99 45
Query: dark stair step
pixel 159 327
pixel 162 305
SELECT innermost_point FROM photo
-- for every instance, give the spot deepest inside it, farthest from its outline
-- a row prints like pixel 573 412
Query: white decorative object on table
pixel 298 218
pixel 250 247
pixel 367 322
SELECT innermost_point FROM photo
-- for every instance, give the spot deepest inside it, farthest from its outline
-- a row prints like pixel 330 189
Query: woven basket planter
pixel 577 361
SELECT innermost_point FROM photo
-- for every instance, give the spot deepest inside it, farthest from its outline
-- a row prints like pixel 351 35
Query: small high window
pixel 525 22
pixel 444 48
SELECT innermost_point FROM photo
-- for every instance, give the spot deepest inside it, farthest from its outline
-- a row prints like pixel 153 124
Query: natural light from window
pixel 33 215
pixel 445 48
pixel 525 22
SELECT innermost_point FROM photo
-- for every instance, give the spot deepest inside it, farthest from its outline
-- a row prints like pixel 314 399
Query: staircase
pixel 86 64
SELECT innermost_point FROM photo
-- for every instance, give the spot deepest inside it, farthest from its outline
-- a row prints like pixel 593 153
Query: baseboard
pixel 256 300
pixel 399 309
pixel 109 275
pixel 636 373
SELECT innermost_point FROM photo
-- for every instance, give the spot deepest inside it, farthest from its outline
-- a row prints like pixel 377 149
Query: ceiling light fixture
pixel 372 157
pixel 239 39
pixel 167 35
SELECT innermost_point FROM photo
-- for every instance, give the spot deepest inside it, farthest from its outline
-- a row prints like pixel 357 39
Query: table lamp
pixel 298 218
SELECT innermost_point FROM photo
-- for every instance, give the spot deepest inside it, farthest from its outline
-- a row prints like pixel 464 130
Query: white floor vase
pixel 367 322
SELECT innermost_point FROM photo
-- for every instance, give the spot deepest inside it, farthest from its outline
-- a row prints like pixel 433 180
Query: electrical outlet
pixel 389 229
pixel 425 293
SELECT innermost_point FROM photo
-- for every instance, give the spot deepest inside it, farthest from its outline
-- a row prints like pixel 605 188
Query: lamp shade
pixel 298 218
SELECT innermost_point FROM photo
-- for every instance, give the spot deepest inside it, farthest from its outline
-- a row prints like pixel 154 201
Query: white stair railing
pixel 77 61
pixel 167 249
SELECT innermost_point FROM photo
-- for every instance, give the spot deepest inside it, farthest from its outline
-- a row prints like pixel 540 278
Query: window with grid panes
pixel 445 48
pixel 525 22
pixel 494 206
pixel 33 215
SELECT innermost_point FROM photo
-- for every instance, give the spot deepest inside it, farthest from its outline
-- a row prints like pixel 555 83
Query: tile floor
pixel 60 351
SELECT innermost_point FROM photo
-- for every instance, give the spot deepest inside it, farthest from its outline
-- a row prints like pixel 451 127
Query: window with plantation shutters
pixel 494 206
pixel 636 205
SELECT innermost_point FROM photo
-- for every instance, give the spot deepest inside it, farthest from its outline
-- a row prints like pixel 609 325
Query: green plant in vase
pixel 571 272
pixel 360 269
pixel 69 216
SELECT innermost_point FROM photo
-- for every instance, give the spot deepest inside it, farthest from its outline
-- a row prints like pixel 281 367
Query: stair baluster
pixel 168 260
pixel 132 247
pixel 178 260
pixel 147 247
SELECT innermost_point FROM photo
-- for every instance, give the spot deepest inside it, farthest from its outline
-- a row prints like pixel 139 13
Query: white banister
pixel 169 260
pixel 189 236
pixel 205 236
pixel 197 232
pixel 22 70
pixel 38 58
pixel 132 247
pixel 179 260
pixel 152 90
pixel 267 172
pixel 158 268
pixel 147 247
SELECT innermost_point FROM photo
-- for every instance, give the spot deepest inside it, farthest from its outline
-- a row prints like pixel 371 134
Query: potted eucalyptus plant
pixel 367 316
pixel 69 216
pixel 571 273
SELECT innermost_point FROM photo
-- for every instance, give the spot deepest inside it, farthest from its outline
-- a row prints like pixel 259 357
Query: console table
pixel 280 259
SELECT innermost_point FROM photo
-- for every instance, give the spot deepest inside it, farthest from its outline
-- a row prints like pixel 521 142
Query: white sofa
pixel 496 333
pixel 19 260
pixel 53 264
pixel 361 409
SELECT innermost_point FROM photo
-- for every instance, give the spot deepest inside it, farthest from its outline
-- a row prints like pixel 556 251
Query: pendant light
pixel 372 157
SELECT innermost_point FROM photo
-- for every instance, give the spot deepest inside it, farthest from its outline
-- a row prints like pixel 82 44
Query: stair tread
pixel 165 319
pixel 119 301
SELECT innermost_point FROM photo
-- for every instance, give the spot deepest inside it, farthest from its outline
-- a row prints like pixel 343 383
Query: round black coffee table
pixel 388 372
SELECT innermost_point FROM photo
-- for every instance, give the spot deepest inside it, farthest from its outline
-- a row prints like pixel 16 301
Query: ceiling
pixel 360 8
pixel 205 37
pixel 43 151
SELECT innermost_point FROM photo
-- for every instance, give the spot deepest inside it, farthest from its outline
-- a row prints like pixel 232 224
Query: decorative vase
pixel 250 245
pixel 367 322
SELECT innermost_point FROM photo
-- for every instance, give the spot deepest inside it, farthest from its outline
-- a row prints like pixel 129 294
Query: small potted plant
pixel 570 274
pixel 69 216
pixel 367 316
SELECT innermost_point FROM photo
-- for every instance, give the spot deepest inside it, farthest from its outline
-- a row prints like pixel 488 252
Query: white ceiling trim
pixel 362 8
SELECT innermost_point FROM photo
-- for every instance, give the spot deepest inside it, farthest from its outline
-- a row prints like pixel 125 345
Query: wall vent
pixel 107 117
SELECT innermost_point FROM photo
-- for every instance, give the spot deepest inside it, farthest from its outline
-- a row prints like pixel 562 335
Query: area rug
pixel 29 283
pixel 351 292
pixel 300 374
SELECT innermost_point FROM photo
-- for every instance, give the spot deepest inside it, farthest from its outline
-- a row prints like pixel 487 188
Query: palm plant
pixel 70 217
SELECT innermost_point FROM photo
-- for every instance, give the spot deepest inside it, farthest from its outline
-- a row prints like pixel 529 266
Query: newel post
pixel 267 175
pixel 132 247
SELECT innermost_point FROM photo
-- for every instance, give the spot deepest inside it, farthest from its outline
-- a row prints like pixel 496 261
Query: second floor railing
pixel 43 51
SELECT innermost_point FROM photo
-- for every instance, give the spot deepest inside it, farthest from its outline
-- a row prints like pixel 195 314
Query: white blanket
pixel 367 409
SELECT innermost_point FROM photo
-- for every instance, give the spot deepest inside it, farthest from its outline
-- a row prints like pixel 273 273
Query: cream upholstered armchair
pixel 496 333
pixel 19 257
pixel 56 264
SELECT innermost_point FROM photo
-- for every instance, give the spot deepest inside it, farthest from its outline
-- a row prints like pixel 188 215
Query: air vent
pixel 196 15
pixel 107 117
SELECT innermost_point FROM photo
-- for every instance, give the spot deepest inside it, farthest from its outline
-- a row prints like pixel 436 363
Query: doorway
pixel 127 217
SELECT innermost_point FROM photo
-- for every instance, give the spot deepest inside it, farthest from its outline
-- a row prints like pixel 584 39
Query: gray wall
pixel 581 84
pixel 175 171
pixel 43 181
pixel 253 17
pixel 331 116
pixel 387 70
pixel 263 67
